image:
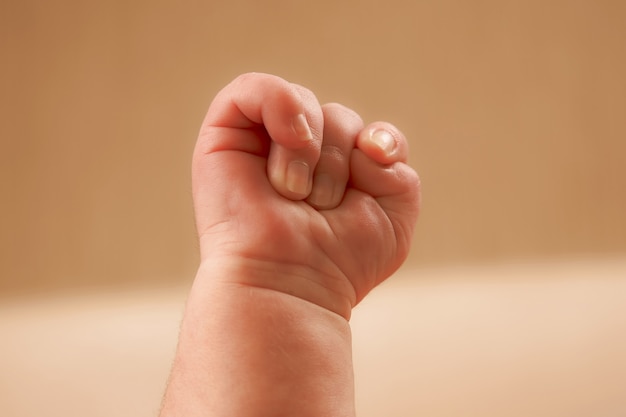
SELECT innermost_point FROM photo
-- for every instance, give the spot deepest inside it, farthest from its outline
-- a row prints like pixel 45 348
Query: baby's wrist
pixel 301 282
pixel 274 348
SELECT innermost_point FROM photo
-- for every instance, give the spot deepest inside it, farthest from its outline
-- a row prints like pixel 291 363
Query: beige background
pixel 512 301
pixel 515 112
pixel 456 342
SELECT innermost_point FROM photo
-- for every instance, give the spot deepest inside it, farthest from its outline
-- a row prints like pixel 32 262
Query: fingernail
pixel 297 179
pixel 302 128
pixel 323 191
pixel 384 140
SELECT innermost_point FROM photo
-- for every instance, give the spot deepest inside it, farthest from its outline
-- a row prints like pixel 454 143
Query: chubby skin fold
pixel 301 210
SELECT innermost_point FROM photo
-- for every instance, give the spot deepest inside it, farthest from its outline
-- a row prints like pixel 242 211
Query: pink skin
pixel 301 210
pixel 330 232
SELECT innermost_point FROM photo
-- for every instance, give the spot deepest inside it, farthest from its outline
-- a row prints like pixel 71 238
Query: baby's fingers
pixel 289 114
pixel 341 128
pixel 294 156
pixel 383 143
pixel 378 168
pixel 378 163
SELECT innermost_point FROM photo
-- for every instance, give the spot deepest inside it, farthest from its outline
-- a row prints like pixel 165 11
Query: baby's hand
pixel 300 198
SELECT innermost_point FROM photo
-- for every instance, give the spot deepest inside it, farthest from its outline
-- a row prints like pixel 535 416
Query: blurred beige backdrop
pixel 515 111
pixel 512 301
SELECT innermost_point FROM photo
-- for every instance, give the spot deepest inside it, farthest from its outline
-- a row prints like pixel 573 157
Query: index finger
pixel 290 114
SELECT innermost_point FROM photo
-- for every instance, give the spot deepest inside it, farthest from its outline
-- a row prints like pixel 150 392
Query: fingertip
pixel 383 142
pixel 301 128
pixel 298 179
pixel 308 124
pixel 341 127
pixel 295 125
pixel 327 192
pixel 291 178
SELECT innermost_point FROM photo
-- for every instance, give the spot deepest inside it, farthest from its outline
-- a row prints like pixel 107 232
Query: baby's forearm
pixel 247 351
